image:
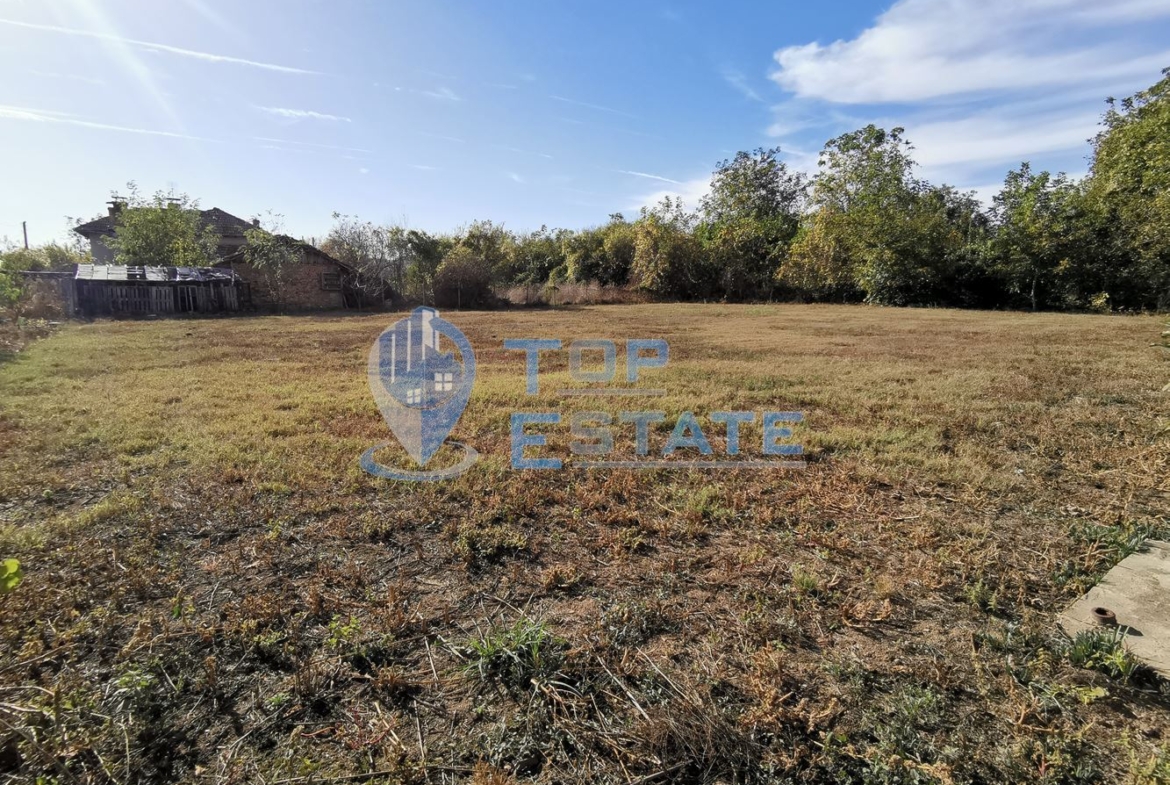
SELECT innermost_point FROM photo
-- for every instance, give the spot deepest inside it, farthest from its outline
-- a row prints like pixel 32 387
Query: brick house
pixel 317 282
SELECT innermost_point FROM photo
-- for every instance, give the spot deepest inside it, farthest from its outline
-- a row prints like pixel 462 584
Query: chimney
pixel 256 222
pixel 115 206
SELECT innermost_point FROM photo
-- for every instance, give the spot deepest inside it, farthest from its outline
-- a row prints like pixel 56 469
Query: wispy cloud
pixel 735 78
pixel 690 192
pixel 424 167
pixel 521 151
pixel 157 47
pixel 363 170
pixel 93 80
pixel 515 177
pixel 442 93
pixel 455 139
pixel 312 144
pixel 587 105
pixel 302 114
pixel 649 176
pixel 44 116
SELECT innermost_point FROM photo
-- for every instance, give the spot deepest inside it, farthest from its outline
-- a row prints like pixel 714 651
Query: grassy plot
pixel 213 590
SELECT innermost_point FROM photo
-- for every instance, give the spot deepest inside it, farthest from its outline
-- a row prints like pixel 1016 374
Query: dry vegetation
pixel 214 591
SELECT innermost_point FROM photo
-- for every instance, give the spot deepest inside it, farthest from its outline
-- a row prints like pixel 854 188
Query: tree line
pixel 863 228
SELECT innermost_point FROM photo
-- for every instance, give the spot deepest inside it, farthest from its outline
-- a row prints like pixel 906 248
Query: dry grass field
pixel 215 592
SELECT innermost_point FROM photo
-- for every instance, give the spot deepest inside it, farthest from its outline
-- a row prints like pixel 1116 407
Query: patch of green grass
pixel 1104 651
pixel 517 657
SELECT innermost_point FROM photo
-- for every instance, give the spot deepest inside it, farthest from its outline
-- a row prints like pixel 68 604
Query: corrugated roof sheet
pixel 117 272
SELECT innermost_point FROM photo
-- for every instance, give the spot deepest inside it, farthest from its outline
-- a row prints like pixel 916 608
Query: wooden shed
pixel 116 290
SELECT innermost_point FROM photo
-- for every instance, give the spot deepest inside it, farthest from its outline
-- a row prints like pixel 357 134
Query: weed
pixel 1104 651
pixel 982 596
pixel 516 657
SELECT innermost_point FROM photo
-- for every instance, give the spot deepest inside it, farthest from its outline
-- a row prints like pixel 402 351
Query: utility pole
pixel 24 226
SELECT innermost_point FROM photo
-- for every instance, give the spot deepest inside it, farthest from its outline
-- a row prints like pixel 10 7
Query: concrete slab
pixel 1137 590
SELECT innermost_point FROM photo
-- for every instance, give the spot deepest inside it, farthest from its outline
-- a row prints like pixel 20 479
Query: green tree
pixel 1128 195
pixel 602 254
pixel 426 255
pixel 49 257
pixel 668 260
pixel 491 243
pixel 463 280
pixel 274 256
pixel 879 232
pixel 750 217
pixel 164 230
pixel 1038 235
pixel 534 256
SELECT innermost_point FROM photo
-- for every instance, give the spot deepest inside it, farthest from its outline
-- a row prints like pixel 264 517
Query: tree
pixel 756 186
pixel 1036 237
pixel 879 232
pixel 380 255
pixel 274 256
pixel 49 257
pixel 750 217
pixel 534 256
pixel 667 257
pixel 164 230
pixel 492 244
pixel 1128 194
pixel 463 280
pixel 426 255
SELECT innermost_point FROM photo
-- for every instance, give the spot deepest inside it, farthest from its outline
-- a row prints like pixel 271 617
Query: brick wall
pixel 302 287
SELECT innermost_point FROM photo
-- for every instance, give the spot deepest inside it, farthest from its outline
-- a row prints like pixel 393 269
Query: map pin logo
pixel 421 370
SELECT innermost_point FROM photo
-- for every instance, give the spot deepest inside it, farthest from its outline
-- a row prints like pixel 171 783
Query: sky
pixel 433 114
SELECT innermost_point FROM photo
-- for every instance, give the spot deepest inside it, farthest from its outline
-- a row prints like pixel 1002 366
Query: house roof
pixel 224 223
pixel 116 272
pixel 308 248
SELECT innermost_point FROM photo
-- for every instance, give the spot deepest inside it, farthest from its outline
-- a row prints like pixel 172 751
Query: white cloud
pixel 43 116
pixel 73 77
pixel 598 107
pixel 515 177
pixel 302 114
pixel 442 93
pixel 521 151
pixel 1007 134
pixel 312 144
pixel 363 170
pixel 691 192
pixel 979 85
pixel 925 49
pixel 455 139
pixel 648 176
pixel 162 48
pixel 736 79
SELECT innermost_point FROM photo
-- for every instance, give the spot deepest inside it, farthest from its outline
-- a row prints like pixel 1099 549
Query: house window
pixel 414 396
pixel 444 382
pixel 331 281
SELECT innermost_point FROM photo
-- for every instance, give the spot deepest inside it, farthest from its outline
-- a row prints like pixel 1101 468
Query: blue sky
pixel 436 113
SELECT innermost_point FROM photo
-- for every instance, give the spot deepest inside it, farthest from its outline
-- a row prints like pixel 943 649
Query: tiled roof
pixel 115 272
pixel 308 248
pixel 224 223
